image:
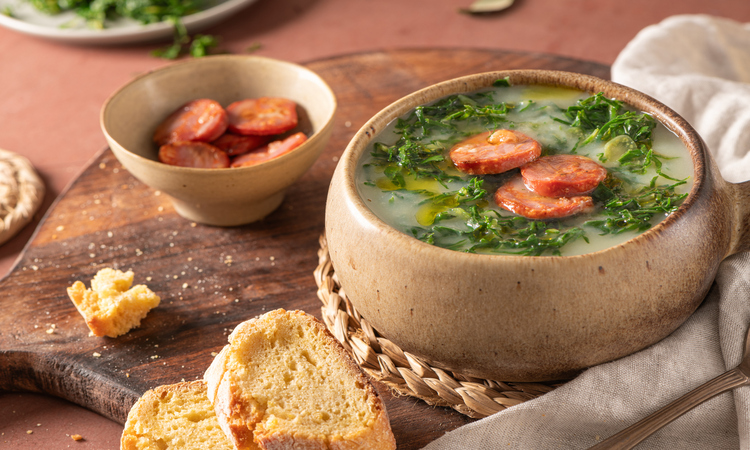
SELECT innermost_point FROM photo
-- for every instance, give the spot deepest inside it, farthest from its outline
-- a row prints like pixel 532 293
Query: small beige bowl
pixel 527 318
pixel 223 197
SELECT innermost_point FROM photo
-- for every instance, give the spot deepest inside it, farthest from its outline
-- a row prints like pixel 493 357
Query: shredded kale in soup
pixel 409 181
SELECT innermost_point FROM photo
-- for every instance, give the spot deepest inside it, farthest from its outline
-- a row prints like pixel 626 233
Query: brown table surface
pixel 51 95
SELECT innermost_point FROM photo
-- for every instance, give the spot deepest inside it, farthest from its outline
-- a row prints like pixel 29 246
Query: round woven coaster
pixel 403 372
pixel 21 193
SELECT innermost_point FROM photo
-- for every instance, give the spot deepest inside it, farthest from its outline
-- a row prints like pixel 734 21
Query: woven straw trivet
pixel 403 372
pixel 21 193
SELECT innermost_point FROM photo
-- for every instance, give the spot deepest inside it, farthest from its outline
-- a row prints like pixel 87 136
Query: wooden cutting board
pixel 209 278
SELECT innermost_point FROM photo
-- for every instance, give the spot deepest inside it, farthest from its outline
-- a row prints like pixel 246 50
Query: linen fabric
pixel 699 66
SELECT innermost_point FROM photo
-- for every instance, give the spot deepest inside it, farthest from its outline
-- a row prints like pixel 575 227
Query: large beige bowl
pixel 523 318
pixel 223 197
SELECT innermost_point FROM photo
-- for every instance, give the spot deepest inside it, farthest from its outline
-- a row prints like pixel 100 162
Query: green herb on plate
pixel 96 13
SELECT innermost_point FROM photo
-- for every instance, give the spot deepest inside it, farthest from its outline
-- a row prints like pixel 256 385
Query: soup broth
pixel 408 180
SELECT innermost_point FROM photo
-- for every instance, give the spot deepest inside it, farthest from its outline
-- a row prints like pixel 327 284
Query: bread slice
pixel 284 382
pixel 175 417
pixel 111 307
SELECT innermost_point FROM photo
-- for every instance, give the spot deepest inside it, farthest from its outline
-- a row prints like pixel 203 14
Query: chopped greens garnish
pixel 97 12
pixel 633 212
pixel 462 218
pixel 601 118
pixel 503 82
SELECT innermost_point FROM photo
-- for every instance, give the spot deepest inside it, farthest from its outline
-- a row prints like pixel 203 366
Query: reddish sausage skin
pixel 262 116
pixel 494 152
pixel 272 150
pixel 515 197
pixel 563 175
pixel 199 120
pixel 235 144
pixel 193 154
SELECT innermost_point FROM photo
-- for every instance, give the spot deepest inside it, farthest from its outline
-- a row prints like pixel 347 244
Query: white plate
pixel 28 20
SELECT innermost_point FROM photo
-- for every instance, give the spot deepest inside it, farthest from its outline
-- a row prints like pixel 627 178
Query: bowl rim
pixel 643 102
pixel 316 135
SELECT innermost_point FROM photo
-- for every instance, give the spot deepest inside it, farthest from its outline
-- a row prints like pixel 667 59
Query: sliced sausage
pixel 262 116
pixel 494 152
pixel 563 175
pixel 199 120
pixel 193 154
pixel 515 197
pixel 272 150
pixel 235 144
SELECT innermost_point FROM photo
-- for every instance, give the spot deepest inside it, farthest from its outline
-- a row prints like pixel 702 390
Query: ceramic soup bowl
pixel 222 197
pixel 533 318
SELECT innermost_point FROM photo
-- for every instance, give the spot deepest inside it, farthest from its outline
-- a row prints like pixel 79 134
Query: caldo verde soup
pixel 527 170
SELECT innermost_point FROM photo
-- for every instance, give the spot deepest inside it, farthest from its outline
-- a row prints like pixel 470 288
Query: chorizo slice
pixel 262 116
pixel 201 120
pixel 193 154
pixel 236 144
pixel 515 197
pixel 272 150
pixel 563 175
pixel 494 152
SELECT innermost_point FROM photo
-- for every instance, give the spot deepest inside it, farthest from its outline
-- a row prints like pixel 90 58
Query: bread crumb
pixel 111 307
pixel 96 355
pixel 29 431
pixel 76 437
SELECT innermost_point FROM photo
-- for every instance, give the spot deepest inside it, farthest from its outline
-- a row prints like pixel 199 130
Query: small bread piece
pixel 284 382
pixel 111 308
pixel 176 417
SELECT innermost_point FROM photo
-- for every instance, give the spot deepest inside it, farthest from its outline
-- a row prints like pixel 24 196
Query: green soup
pixel 407 178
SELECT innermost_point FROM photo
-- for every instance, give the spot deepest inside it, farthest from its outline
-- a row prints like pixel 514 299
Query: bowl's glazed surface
pixel 224 197
pixel 521 318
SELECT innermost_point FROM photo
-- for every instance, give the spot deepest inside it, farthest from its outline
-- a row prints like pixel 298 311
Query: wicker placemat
pixel 21 193
pixel 405 373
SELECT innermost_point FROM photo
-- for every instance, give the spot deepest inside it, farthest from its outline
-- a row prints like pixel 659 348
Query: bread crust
pixel 246 421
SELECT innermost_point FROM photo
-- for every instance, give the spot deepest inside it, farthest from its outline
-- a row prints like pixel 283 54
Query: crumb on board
pixel 76 437
pixel 112 307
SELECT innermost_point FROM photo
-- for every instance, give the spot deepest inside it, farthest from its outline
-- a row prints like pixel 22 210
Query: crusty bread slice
pixel 111 307
pixel 284 382
pixel 175 417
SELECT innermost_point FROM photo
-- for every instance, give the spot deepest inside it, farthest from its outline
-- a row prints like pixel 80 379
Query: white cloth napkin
pixel 699 66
